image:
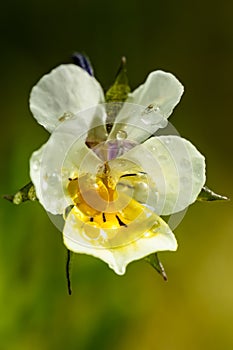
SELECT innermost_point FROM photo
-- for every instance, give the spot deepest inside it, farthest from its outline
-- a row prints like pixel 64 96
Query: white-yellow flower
pixel 112 194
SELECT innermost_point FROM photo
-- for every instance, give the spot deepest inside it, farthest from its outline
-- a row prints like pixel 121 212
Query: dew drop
pixel 65 116
pixel 36 165
pixel 151 108
pixel 121 135
pixel 122 163
pixel 147 234
pixel 91 230
pixel 155 229
pixel 156 196
pixel 53 178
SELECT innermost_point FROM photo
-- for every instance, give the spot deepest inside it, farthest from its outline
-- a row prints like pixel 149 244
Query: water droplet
pixel 156 196
pixel 147 234
pixel 65 116
pixel 167 141
pixel 36 165
pixel 122 163
pixel 163 122
pixel 91 230
pixel 121 135
pixel 151 108
pixel 155 227
pixel 53 178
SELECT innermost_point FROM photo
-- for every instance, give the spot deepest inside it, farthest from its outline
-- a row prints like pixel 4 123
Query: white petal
pixel 66 89
pixel 49 189
pixel 159 238
pixel 65 155
pixel 161 89
pixel 147 108
pixel 137 122
pixel 177 169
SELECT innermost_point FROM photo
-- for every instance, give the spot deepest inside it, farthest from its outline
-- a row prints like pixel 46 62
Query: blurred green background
pixel 194 309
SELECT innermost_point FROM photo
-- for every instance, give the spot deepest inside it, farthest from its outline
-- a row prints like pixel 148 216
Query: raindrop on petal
pixel 91 230
pixel 36 165
pixel 65 116
pixel 121 135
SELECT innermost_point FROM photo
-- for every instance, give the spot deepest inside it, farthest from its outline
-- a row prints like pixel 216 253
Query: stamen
pixel 121 223
pixel 104 218
pixel 91 219
pixel 126 175
pixel 106 168
pixel 140 173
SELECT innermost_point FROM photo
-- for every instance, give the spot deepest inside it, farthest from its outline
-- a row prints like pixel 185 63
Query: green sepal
pixel 119 91
pixel 207 195
pixel 154 261
pixel 117 94
pixel 26 193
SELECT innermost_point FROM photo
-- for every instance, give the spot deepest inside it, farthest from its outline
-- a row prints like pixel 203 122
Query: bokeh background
pixel 194 309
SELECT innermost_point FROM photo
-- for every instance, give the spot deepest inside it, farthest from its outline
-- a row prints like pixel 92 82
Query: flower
pixel 111 188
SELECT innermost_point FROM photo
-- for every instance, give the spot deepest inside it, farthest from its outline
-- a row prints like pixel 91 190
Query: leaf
pixel 154 261
pixel 26 193
pixel 207 195
pixel 116 94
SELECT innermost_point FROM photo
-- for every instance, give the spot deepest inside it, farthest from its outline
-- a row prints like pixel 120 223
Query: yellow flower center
pixel 108 205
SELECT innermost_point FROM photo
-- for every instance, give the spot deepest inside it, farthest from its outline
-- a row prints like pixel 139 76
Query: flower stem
pixel 68 270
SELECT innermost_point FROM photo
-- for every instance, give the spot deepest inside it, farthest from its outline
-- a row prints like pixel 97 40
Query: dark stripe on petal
pixel 121 223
